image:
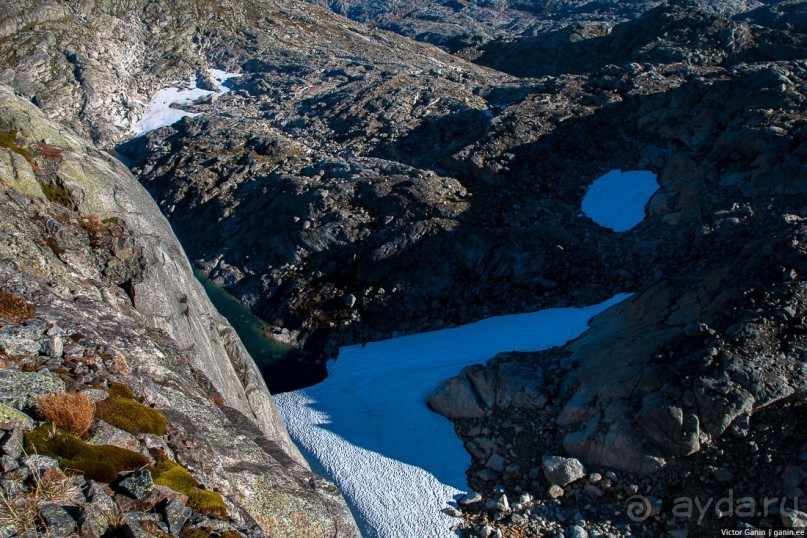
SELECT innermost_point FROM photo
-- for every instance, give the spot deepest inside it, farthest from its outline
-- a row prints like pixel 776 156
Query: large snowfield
pixel 617 200
pixel 160 112
pixel 367 427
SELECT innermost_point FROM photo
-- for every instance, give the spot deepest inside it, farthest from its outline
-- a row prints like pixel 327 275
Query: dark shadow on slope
pixel 668 34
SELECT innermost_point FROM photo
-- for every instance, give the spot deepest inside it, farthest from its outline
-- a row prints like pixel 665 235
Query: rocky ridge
pixel 462 26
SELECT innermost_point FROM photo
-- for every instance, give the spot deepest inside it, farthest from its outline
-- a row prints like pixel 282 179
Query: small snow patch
pixel 617 200
pixel 367 427
pixel 161 111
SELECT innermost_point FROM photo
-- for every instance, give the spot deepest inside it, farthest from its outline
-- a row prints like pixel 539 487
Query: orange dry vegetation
pixel 71 411
pixel 47 151
pixel 14 308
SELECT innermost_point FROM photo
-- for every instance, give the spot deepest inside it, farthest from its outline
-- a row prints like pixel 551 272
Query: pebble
pixel 556 491
pixel 576 531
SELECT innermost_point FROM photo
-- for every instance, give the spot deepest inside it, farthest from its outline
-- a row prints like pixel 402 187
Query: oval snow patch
pixel 617 199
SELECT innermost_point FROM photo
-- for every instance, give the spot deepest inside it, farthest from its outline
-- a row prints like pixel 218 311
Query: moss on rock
pixel 122 411
pixel 101 463
pixel 173 475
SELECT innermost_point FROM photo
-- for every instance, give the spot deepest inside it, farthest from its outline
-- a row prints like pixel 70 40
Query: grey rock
pixel 176 514
pixel 12 443
pixel 11 418
pixel 94 521
pixel 137 484
pixel 165 296
pixel 794 519
pixel 496 462
pixel 576 531
pixel 20 341
pixel 21 389
pixel 12 488
pixel 58 520
pixel 562 471
pixel 139 525
pixel 106 434
pixel 675 431
pixel 456 399
pixel 38 463
pixel 471 497
pixel 7 463
pixel 54 346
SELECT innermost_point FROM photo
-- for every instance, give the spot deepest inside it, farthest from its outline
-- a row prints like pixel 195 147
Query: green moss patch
pixel 208 503
pixel 122 411
pixel 101 463
pixel 8 139
pixel 119 390
pixel 172 475
pixel 56 194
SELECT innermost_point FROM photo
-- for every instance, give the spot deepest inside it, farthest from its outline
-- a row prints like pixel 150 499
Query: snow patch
pixel 160 111
pixel 617 200
pixel 367 427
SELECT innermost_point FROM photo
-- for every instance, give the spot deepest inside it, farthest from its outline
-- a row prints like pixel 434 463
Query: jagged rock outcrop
pixel 84 243
pixel 456 25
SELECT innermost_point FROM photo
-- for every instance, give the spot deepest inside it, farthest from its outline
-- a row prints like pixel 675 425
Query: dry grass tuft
pixel 14 308
pixel 21 512
pixel 71 411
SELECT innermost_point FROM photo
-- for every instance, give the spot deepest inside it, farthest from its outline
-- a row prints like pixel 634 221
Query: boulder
pixel 562 471
pixel 20 390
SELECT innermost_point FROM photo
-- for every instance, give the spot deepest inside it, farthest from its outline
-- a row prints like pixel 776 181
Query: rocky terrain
pixel 96 293
pixel 459 25
pixel 354 185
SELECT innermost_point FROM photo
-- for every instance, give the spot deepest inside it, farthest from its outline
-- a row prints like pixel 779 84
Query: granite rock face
pixel 85 244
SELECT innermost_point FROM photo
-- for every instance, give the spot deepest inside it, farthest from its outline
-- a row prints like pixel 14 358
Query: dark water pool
pixel 284 368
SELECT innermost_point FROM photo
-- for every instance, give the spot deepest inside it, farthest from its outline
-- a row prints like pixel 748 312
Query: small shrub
pixel 47 151
pixel 101 463
pixel 95 229
pixel 71 411
pixel 14 308
pixel 214 396
pixel 128 414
